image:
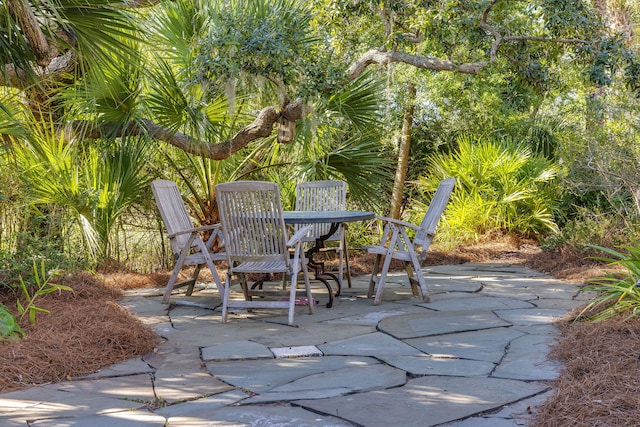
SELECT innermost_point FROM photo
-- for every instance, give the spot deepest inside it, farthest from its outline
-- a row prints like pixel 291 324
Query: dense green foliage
pixel 501 186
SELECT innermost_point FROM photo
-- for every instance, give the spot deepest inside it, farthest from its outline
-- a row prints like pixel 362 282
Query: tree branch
pixel 375 56
pixel 24 16
pixel 261 127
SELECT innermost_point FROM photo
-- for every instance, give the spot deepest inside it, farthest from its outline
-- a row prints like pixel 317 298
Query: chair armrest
pixel 398 222
pixel 195 230
pixel 302 232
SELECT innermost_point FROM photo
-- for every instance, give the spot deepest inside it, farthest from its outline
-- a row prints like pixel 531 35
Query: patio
pixel 475 355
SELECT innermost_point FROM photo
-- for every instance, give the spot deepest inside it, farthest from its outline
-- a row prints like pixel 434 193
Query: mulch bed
pixel 600 380
pixel 85 330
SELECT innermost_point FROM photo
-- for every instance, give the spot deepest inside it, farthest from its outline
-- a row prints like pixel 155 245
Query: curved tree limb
pixel 261 127
pixel 375 56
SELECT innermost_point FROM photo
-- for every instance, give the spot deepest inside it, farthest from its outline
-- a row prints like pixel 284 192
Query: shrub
pixel 501 186
pixel 617 295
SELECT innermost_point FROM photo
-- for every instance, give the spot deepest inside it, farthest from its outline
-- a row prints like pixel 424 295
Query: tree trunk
pixel 403 153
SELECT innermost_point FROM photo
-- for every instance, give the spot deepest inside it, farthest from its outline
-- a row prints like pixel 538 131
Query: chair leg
pixel 372 282
pixel 225 298
pixel 245 286
pixel 194 278
pixel 292 299
pixel 307 285
pixel 383 277
pixel 412 281
pixel 171 283
pixel 345 253
pixel 417 269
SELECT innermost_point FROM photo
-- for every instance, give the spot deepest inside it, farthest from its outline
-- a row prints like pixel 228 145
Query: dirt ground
pixel 87 330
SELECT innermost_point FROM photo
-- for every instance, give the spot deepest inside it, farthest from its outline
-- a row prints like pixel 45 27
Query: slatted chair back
pixel 321 196
pixel 252 221
pixel 173 212
pixel 435 210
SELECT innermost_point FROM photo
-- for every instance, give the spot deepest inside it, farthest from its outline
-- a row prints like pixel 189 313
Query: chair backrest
pixel 252 221
pixel 173 212
pixel 434 212
pixel 321 196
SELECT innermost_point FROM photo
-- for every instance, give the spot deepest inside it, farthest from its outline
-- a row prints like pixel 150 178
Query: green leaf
pixel 8 325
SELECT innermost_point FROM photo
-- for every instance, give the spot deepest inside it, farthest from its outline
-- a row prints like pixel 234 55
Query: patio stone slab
pixel 438 323
pixel 438 285
pixel 487 422
pixel 141 306
pixel 376 345
pixel 237 350
pixel 260 376
pixel 179 385
pixel 484 269
pixel 559 304
pixel 200 409
pixel 459 301
pixel 527 359
pixel 169 357
pixel 531 316
pixel 128 367
pixel 504 290
pixel 135 387
pixel 522 410
pixel 373 318
pixel 44 403
pixel 487 345
pixel 520 414
pixel 425 401
pixel 426 365
pixel 141 418
pixel 262 415
pixel 352 379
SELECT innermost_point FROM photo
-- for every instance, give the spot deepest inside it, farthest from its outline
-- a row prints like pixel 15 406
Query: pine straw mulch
pixel 600 381
pixel 88 330
pixel 85 330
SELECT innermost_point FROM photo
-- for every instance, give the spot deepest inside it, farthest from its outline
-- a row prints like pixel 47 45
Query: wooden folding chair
pixel 396 244
pixel 186 240
pixel 256 241
pixel 326 196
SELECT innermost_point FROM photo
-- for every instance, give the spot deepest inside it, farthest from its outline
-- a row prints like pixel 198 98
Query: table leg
pixel 318 266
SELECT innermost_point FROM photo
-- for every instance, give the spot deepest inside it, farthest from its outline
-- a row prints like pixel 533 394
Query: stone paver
pixel 476 355
pixel 425 401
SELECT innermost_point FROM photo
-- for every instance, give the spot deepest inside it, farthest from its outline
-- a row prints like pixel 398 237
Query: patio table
pixel 335 218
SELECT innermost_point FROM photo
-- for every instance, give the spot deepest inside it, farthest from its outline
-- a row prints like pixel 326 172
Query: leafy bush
pixel 19 263
pixel 591 226
pixel 501 186
pixel 617 295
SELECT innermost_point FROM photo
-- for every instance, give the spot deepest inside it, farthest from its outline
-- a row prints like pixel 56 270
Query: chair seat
pixel 381 250
pixel 199 258
pixel 261 267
